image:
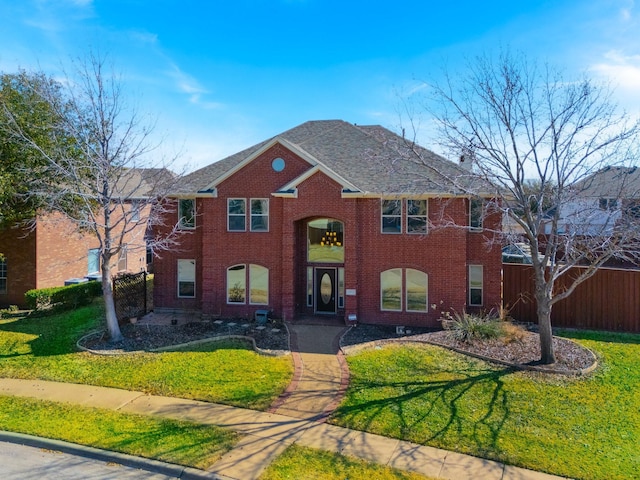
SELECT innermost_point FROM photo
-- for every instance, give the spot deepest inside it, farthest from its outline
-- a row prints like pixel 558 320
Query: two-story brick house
pixel 330 219
pixel 53 251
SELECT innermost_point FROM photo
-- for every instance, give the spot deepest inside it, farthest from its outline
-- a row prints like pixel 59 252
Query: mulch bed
pixel 274 337
pixel 141 337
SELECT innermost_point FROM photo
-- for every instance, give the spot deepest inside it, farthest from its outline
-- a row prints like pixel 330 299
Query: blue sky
pixel 220 76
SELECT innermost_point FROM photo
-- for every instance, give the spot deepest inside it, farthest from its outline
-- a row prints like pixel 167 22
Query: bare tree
pixel 108 183
pixel 541 143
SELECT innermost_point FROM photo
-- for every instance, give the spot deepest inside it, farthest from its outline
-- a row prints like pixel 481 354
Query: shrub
pixel 467 327
pixel 62 298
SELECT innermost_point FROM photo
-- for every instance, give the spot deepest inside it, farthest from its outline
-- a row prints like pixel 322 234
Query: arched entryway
pixel 320 266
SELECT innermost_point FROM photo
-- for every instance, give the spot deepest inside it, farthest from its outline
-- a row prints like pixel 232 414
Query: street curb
pixel 154 466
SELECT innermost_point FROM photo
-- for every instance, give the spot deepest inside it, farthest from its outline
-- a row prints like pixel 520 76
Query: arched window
pixel 257 281
pixel 416 284
pixel 412 298
pixel 391 290
pixel 325 241
pixel 236 284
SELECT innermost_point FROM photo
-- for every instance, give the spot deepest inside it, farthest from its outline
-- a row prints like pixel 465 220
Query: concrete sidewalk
pixel 266 435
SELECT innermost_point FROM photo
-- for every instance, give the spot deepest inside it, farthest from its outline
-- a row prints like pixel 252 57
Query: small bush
pixel 467 327
pixel 9 311
pixel 62 298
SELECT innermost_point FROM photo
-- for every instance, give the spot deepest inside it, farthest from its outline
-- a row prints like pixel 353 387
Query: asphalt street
pixel 25 463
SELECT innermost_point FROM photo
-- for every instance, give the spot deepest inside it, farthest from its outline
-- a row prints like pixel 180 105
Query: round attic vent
pixel 278 164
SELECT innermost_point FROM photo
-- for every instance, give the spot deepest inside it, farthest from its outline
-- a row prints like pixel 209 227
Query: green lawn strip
pixel 584 428
pixel 302 462
pixel 227 372
pixel 170 441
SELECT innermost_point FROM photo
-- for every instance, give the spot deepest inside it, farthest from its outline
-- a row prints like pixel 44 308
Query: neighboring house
pixel 53 253
pixel 601 200
pixel 329 219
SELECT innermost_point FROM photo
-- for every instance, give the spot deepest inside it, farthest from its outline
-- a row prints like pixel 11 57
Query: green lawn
pixel 586 428
pixel 224 372
pixel 301 462
pixel 171 441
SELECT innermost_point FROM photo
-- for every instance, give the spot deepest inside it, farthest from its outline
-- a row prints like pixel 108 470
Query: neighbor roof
pixel 611 182
pixel 367 160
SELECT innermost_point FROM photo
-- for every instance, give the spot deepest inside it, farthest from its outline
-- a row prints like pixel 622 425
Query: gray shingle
pixel 372 158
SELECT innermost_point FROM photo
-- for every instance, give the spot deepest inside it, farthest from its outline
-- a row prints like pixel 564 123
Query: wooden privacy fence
pixel 610 300
pixel 130 295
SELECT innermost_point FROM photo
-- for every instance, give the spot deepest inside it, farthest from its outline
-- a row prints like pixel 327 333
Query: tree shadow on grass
pixel 51 334
pixel 472 408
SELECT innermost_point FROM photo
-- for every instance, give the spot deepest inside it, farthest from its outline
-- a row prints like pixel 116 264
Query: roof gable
pixel 366 161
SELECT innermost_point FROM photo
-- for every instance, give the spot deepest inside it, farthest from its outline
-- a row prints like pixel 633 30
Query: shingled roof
pixel 370 159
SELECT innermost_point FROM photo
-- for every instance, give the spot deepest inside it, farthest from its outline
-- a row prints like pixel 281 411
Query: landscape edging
pixel 262 351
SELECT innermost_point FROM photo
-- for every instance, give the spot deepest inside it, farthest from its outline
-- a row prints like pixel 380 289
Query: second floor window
pixel 391 216
pixel 236 214
pixel 416 216
pixel 187 213
pixel 475 214
pixel 259 215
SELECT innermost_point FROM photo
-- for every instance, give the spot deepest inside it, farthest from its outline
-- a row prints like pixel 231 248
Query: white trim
pixel 276 140
pixel 481 227
pixel 259 215
pixel 185 281
pixel 382 215
pixel 406 291
pixel 319 168
pixel 407 216
pixel 469 286
pixel 237 215
pixel 382 309
pixel 180 217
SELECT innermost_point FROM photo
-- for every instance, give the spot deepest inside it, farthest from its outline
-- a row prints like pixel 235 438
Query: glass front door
pixel 325 290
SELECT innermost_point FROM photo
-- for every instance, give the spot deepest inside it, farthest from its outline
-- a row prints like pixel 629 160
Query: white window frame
pixel 247 283
pixel 188 276
pixel 251 281
pixel 243 215
pixel 182 217
pixel 96 252
pixel 258 215
pixel 382 308
pixel 406 290
pixel 472 202
pixel 395 215
pixel 425 216
pixel 122 259
pixel 481 288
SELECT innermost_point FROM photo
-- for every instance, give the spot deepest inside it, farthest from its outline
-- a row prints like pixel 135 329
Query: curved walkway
pixel 320 376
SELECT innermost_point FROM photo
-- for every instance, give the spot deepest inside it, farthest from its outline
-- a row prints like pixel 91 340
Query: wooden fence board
pixel 610 300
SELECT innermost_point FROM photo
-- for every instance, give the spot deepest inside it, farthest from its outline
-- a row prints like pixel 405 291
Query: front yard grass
pixel 227 372
pixel 301 462
pixel 181 443
pixel 586 428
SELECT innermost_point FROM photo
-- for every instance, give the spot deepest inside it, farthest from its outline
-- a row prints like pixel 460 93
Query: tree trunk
pixel 547 354
pixel 109 305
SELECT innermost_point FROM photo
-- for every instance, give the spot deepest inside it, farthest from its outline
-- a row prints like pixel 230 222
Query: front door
pixel 325 290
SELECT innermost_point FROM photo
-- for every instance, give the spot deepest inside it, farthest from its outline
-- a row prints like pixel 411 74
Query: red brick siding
pixel 442 253
pixel 53 253
pixel 18 246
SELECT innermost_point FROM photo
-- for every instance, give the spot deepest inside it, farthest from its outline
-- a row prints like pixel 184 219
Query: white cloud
pixel 626 12
pixel 190 86
pixel 623 70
